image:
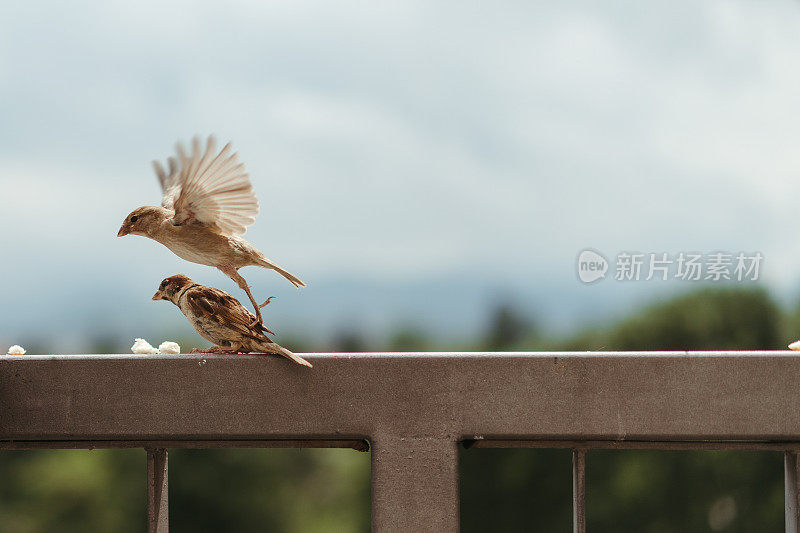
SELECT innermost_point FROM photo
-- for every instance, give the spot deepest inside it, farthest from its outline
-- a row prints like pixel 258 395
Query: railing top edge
pixel 430 355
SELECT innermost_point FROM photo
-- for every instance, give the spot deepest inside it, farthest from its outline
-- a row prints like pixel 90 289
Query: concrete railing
pixel 414 410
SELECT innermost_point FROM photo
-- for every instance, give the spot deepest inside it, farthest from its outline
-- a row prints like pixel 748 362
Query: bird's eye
pixel 134 218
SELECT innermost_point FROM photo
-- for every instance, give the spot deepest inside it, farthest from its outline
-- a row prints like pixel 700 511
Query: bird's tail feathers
pixel 266 263
pixel 273 347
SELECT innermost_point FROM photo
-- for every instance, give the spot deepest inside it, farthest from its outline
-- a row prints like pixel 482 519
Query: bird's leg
pixel 217 350
pixel 235 276
pixel 266 329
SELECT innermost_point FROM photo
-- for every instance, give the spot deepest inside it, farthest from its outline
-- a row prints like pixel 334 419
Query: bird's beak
pixel 158 296
pixel 122 231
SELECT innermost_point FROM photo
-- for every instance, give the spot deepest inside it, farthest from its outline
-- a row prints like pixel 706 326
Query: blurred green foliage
pixel 709 319
pixel 72 491
pixel 210 490
pixel 501 490
pixel 313 491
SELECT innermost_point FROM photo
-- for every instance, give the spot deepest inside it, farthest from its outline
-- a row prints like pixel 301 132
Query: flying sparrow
pixel 207 204
pixel 220 318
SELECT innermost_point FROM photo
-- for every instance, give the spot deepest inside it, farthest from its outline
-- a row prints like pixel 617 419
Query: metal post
pixel 157 491
pixel 791 507
pixel 579 491
pixel 414 484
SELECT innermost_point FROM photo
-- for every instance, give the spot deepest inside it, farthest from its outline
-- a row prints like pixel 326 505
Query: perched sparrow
pixel 220 318
pixel 207 203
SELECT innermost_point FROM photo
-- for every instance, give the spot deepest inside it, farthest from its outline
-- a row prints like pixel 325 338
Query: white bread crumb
pixel 169 347
pixel 143 347
pixel 16 350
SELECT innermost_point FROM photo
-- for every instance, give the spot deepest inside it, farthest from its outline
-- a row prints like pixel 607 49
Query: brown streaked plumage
pixel 207 204
pixel 220 318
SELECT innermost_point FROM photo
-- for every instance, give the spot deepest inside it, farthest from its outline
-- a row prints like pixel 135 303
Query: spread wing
pixel 209 187
pixel 220 307
pixel 169 182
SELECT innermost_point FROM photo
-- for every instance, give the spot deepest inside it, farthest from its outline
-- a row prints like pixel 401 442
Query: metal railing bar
pixel 525 396
pixel 360 445
pixel 157 491
pixel 633 445
pixel 791 492
pixel 413 407
pixel 415 484
pixel 579 491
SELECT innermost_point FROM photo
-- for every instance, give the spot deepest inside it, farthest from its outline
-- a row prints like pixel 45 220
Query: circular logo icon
pixel 592 266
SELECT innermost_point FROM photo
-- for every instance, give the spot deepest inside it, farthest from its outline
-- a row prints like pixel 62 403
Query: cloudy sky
pixel 415 161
